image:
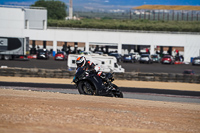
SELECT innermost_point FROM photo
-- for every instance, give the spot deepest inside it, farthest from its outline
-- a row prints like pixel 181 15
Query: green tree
pixel 55 8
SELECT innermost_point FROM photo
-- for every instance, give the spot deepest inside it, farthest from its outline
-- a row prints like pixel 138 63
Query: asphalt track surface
pixel 129 67
pixel 132 93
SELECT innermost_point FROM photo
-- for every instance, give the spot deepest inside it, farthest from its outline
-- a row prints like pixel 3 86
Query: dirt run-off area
pixel 47 112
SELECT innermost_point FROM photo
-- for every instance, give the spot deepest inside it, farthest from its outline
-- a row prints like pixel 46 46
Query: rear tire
pixel 7 57
pixel 118 94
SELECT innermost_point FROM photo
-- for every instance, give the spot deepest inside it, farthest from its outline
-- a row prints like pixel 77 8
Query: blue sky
pixel 108 4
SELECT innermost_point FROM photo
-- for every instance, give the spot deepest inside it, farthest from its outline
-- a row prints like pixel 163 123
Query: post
pixel 152 49
pixel 54 47
pixel 149 14
pixel 163 15
pixel 177 16
pixel 167 16
pixel 27 24
pixel 71 10
pixel 119 48
pixel 192 16
pixel 76 48
pixel 44 24
pixel 182 15
pixel 87 46
pixel 44 44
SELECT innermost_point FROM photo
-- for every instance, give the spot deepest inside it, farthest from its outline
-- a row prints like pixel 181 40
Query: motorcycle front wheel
pixel 86 88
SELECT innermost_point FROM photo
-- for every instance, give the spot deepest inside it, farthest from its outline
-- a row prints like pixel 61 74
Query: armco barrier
pixel 136 76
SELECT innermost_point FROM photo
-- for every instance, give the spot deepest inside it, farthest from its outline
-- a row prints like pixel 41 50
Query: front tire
pixel 86 88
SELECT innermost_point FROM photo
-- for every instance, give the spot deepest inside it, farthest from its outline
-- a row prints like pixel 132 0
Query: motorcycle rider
pixel 88 65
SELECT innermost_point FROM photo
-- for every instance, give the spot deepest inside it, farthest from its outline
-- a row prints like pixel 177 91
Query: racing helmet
pixel 80 61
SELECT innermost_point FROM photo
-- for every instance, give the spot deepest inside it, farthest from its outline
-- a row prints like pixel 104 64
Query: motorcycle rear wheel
pixel 117 94
pixel 120 95
pixel 86 88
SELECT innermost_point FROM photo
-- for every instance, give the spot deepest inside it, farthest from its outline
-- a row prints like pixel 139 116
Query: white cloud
pixel 102 6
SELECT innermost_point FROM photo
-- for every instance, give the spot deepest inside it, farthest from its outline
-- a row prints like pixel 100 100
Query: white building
pixel 32 23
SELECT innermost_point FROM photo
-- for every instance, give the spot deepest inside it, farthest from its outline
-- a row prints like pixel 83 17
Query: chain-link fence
pixel 160 15
pixel 166 15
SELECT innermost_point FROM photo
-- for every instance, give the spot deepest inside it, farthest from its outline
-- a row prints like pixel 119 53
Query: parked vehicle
pixel 98 52
pixel 87 53
pixel 88 83
pixel 42 54
pixel 61 55
pixel 196 61
pixel 12 47
pixel 117 56
pixel 145 58
pixel 188 71
pixel 136 56
pixel 167 59
pixel 105 62
pixel 128 58
pixel 156 58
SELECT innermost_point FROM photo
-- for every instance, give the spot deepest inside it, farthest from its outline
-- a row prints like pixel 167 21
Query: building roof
pixel 167 7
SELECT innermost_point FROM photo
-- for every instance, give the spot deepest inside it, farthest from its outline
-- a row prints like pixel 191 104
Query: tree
pixel 55 8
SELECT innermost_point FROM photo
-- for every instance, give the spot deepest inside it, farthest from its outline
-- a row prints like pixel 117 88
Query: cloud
pixel 102 6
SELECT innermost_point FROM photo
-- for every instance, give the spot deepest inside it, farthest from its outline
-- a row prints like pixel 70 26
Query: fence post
pixel 182 15
pixel 163 15
pixel 177 16
pixel 149 14
pixel 168 16
pixel 192 16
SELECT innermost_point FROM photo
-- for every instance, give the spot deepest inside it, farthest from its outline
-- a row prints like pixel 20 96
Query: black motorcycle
pixel 88 83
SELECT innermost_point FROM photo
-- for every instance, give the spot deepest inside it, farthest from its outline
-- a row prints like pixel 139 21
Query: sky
pixel 107 4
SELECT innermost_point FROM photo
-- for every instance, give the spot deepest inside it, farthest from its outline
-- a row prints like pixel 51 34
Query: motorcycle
pixel 88 83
